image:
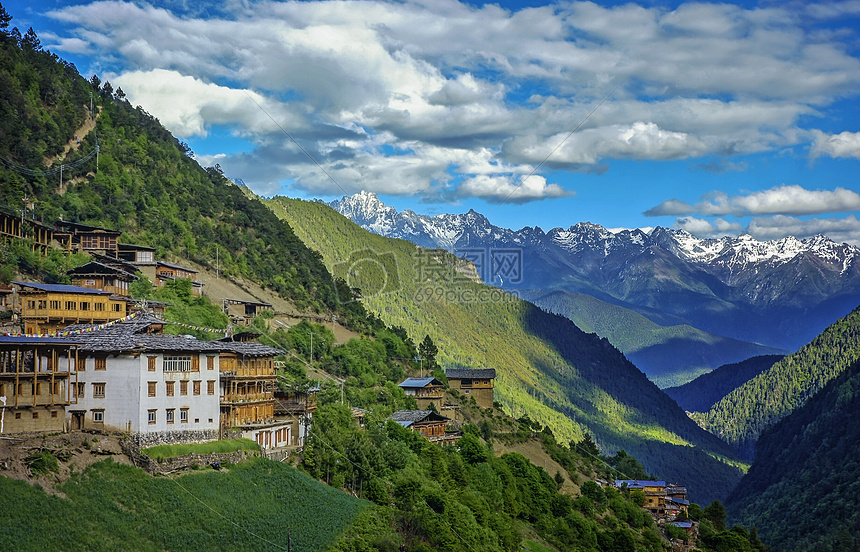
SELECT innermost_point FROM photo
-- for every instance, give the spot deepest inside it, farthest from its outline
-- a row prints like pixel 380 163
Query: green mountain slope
pixel 742 415
pixel 802 492
pixel 547 368
pixel 115 507
pixel 669 355
pixel 145 183
pixel 706 390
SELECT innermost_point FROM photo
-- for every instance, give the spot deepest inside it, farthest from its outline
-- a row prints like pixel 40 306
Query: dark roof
pixel 62 288
pixel 32 340
pixel 95 267
pixel 470 373
pixel 249 348
pixel 680 501
pixel 84 227
pixel 419 382
pixel 414 416
pixel 638 483
pixel 171 265
pixel 129 267
pixel 245 302
pixel 133 247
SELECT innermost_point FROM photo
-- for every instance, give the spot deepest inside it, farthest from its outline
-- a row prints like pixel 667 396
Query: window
pixel 150 388
pixel 116 307
pixel 183 387
pixel 170 412
pixel 195 363
pixel 90 283
pixel 168 386
pixel 150 416
pixel 210 363
pixel 210 387
pixel 31 304
pixel 42 304
pixel 53 413
pixel 56 390
pixel 99 390
pixel 17 415
pixel 80 390
pixel 150 363
pixel 196 420
pixel 176 364
pixel 101 363
pixel 35 415
pixel 20 389
pixel 98 416
pixel 196 387
pixel 144 256
pixel 85 305
pixel 55 305
pixel 99 307
pixel 71 305
pixel 38 389
pixel 183 415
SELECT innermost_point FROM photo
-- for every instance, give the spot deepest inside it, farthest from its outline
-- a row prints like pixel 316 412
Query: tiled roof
pixel 470 373
pixel 171 265
pixel 413 416
pixel 31 340
pixel 62 288
pixel 130 335
pixel 95 267
pixel 636 483
pixel 419 382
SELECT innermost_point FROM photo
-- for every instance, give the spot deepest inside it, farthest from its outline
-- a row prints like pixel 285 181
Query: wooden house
pixel 296 407
pixel 248 378
pixel 96 275
pixel 47 308
pixel 655 492
pixel 88 239
pixel 161 272
pixel 136 254
pixel 424 391
pixel 36 374
pixel 428 424
pixel 15 226
pixel 477 383
pixel 243 312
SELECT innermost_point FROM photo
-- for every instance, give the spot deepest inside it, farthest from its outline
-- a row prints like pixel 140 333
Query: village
pixel 87 357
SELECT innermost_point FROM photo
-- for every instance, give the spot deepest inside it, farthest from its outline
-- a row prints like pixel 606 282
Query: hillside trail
pixel 74 143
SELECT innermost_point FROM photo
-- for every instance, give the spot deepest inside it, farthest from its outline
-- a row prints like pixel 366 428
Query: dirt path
pixel 75 141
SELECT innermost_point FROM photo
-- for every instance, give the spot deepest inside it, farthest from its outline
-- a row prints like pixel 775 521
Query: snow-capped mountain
pixel 780 293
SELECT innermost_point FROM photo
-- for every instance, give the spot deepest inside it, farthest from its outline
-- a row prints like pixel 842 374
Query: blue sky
pixel 716 118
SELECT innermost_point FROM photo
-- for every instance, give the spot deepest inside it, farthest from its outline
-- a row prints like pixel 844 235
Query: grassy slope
pixel 740 416
pixel 114 507
pixel 547 368
pixel 669 355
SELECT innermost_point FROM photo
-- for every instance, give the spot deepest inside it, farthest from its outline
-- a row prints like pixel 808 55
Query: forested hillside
pixel 669 355
pixel 146 184
pixel 547 367
pixel 743 414
pixel 705 391
pixel 802 492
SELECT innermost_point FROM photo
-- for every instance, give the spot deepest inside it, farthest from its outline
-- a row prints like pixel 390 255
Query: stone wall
pixel 187 462
pixel 146 440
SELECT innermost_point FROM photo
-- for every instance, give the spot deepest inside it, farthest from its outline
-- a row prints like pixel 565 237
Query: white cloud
pixel 708 229
pixel 442 81
pixel 845 144
pixel 844 230
pixel 785 200
pixel 502 189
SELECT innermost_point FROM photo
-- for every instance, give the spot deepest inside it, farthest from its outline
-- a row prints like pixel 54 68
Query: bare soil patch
pixel 74 451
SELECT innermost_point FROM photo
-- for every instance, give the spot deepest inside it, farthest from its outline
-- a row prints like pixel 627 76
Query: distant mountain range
pixel 776 294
